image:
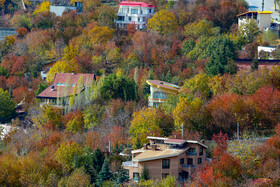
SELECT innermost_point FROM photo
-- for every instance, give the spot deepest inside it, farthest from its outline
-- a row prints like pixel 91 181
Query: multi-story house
pixel 164 156
pixel 160 90
pixel 134 13
pixel 262 18
pixel 64 86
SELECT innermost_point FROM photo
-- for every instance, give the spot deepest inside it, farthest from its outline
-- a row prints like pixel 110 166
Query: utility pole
pixel 237 131
pixel 263 5
pixel 182 130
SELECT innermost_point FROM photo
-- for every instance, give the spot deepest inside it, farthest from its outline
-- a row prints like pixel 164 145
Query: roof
pixel 156 138
pixel 258 12
pixel 164 85
pixel 159 154
pixel 175 141
pixel 61 82
pixel 133 3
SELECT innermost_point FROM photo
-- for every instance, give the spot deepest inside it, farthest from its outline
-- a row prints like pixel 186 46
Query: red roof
pixel 133 3
pixel 60 86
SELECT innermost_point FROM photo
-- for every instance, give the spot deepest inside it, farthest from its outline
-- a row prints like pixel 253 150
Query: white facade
pixel 268 50
pixel 263 19
pixel 133 13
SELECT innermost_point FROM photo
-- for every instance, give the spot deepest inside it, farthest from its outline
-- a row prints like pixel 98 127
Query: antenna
pixel 262 5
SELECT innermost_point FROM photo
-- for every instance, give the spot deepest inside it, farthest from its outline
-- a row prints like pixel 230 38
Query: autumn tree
pixel 66 154
pixel 249 30
pixel 163 22
pixel 201 28
pixel 59 67
pixel 100 35
pixel 106 16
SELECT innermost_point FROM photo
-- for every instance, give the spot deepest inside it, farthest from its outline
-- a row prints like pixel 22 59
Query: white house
pixel 265 52
pixel 134 13
pixel 262 18
pixel 60 9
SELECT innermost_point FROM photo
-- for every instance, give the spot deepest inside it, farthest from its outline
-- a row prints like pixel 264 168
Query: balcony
pixel 191 154
pixel 187 165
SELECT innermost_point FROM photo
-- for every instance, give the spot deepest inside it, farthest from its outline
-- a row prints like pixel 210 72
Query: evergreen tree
pixel 105 174
pixel 138 143
pixel 255 65
pixel 122 177
pixel 144 174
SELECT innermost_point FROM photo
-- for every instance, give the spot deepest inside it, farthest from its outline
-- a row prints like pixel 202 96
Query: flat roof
pixel 164 85
pixel 258 12
pixel 156 138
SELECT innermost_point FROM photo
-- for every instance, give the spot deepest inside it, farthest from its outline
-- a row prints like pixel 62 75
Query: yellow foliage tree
pixel 100 35
pixel 45 6
pixel 163 22
pixel 186 111
pixel 59 67
pixel 144 123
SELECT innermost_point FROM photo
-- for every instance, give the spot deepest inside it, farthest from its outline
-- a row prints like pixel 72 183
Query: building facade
pixel 159 90
pixel 164 156
pixel 64 86
pixel 262 18
pixel 133 13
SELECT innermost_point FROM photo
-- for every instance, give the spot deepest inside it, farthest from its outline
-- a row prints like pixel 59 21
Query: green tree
pixel 187 46
pixel 122 177
pixel 201 28
pixel 145 175
pixel 163 22
pixel 270 37
pixel 249 30
pixel 105 174
pixel 222 54
pixel 118 87
pixel 7 106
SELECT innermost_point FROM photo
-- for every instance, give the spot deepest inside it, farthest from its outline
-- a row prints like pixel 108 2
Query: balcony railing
pixel 188 166
pixel 191 154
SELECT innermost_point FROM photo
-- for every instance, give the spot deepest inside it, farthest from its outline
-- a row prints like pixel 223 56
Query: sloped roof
pixel 131 3
pixel 61 85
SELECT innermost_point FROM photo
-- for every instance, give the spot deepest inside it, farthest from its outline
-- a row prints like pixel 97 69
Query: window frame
pixel 198 160
pixel 165 163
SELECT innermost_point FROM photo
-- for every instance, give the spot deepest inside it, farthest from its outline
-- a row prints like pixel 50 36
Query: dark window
pixel 182 161
pixel 129 18
pixel 199 161
pixel 190 161
pixel 150 10
pixel 192 150
pixel 165 163
pixel 201 151
pixel 164 175
pixel 135 176
pixel 139 19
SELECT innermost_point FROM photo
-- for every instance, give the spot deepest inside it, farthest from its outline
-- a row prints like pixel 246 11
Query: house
pixel 266 52
pixel 46 68
pixel 262 18
pixel 134 13
pixel 63 86
pixel 164 156
pixel 160 90
pixel 60 9
pixel 7 32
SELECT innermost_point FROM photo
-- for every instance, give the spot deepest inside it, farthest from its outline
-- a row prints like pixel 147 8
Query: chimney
pixel 52 87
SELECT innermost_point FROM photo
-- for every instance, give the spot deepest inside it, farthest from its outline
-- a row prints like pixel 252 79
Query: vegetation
pixel 194 46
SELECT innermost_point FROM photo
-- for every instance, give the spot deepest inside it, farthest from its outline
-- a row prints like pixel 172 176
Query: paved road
pixel 256 5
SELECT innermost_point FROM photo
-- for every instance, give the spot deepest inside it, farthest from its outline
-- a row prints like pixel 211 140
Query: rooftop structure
pixel 165 156
pixel 6 32
pixel 160 90
pixel 133 13
pixel 60 9
pixel 262 18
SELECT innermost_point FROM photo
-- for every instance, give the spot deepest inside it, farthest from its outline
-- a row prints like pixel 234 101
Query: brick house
pixel 164 156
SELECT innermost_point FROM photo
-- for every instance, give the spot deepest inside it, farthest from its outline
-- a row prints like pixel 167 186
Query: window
pixel 129 18
pixel 191 151
pixel 182 161
pixel 160 95
pixel 134 11
pixel 190 161
pixel 164 175
pixel 201 151
pixel 199 161
pixel 136 176
pixel 138 19
pixel 134 155
pixel 165 163
pixel 150 11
